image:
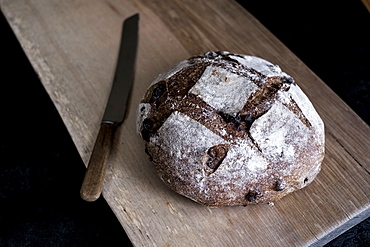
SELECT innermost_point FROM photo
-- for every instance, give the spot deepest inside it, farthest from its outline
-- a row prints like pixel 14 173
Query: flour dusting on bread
pixel 227 129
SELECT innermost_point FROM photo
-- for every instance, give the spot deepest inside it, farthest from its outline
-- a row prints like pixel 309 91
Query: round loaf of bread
pixel 226 129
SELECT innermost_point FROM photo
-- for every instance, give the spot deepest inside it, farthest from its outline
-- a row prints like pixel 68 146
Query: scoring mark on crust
pixel 293 106
pixel 173 94
pixel 225 61
pixel 165 96
pixel 169 95
pixel 262 100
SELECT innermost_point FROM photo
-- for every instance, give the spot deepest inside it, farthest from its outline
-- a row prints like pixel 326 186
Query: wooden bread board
pixel 73 46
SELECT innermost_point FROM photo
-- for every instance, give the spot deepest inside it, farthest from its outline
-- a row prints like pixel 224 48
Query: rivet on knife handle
pixel 114 112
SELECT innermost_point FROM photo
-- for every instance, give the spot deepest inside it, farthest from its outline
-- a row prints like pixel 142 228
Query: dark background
pixel 41 170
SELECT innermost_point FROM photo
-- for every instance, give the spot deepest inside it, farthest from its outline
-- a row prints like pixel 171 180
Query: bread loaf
pixel 227 129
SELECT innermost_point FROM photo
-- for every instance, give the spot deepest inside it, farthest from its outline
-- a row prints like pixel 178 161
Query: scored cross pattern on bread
pixel 230 129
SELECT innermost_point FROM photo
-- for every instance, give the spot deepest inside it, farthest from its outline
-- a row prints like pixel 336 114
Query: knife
pixel 115 110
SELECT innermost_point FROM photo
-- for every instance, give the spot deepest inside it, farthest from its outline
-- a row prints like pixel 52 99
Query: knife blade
pixel 115 110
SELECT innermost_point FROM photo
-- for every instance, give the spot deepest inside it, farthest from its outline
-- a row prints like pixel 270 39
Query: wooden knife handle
pixel 92 184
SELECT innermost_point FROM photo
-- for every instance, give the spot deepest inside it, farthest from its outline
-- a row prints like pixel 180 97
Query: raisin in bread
pixel 226 129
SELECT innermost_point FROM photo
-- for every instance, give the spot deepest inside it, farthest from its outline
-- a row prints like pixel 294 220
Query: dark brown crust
pixel 164 95
pixel 172 95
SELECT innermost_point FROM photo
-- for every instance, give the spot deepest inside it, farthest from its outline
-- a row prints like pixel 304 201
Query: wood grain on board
pixel 73 46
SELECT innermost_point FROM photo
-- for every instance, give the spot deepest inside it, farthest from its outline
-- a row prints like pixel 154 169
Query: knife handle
pixel 92 184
